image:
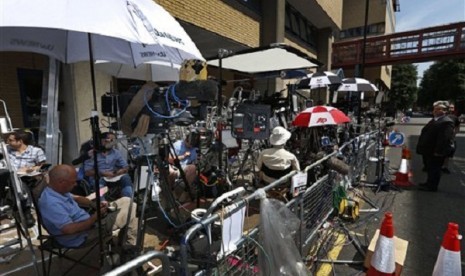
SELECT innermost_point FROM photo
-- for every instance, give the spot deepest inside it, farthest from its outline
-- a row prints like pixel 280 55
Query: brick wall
pixel 231 21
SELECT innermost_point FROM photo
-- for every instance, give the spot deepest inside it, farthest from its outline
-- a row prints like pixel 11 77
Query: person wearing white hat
pixel 276 162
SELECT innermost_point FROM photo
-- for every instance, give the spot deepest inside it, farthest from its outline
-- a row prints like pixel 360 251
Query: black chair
pixel 49 243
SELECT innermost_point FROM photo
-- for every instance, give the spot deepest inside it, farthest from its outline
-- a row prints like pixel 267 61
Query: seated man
pixel 61 214
pixel 276 162
pixel 111 165
pixel 187 156
pixel 26 159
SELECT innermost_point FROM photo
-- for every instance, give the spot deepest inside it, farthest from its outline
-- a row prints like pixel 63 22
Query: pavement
pixel 420 217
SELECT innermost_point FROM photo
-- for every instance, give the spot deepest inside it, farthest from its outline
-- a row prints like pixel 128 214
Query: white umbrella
pixel 154 71
pixel 124 31
pixel 319 79
pixel 60 29
pixel 357 84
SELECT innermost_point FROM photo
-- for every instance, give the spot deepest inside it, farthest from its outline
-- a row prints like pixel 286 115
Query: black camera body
pixel 251 121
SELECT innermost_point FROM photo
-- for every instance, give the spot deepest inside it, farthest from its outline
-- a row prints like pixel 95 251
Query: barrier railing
pixel 313 207
pixel 141 260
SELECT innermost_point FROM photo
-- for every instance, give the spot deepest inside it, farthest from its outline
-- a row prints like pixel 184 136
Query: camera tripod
pixel 249 153
pixel 383 181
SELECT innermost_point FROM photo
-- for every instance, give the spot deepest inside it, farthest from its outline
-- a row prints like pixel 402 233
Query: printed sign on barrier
pixel 298 183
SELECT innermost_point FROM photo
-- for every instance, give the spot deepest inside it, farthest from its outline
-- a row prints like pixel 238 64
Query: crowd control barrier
pixel 141 260
pixel 313 207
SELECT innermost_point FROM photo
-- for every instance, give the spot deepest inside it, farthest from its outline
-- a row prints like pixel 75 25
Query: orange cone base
pixel 402 180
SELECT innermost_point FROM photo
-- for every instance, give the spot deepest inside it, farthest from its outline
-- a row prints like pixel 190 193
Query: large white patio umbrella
pixel 123 31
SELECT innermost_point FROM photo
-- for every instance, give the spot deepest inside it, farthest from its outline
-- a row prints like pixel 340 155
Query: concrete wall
pixel 333 9
pixel 354 13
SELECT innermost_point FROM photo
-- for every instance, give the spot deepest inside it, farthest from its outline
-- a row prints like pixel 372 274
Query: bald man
pixel 61 214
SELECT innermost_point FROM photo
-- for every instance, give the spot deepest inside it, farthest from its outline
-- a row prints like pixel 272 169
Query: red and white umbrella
pixel 320 115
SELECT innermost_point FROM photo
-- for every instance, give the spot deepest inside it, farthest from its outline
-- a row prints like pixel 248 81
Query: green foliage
pixel 444 80
pixel 403 86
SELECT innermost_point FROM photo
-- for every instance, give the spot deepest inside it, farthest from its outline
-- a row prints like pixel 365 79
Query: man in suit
pixel 435 144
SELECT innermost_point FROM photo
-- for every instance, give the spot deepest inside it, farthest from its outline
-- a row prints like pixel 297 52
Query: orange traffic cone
pixel 403 174
pixel 406 153
pixel 383 262
pixel 448 262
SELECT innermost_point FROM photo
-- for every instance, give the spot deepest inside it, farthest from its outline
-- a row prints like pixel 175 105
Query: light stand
pixel 222 53
pixel 96 139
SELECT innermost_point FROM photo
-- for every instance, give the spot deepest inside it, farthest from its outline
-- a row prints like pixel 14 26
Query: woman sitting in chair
pixel 276 162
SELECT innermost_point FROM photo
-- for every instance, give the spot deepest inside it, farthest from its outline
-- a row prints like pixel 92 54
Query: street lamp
pixel 361 71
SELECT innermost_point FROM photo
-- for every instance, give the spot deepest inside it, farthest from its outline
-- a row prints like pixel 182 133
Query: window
pixel 373 29
pixel 299 26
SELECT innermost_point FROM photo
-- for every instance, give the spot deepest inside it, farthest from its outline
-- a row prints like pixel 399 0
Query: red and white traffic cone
pixel 402 175
pixel 448 262
pixel 383 261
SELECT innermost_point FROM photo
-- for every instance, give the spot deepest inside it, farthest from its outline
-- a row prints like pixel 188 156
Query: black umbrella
pixel 357 84
pixel 319 79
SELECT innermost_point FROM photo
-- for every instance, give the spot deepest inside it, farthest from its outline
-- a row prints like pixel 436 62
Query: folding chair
pixel 49 243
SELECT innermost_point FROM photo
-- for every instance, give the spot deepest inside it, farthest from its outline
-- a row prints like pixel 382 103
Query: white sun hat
pixel 279 136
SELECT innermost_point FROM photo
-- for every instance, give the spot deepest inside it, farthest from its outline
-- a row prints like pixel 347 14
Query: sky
pixel 418 14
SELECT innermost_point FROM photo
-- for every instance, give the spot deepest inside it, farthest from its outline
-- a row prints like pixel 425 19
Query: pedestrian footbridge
pixel 446 41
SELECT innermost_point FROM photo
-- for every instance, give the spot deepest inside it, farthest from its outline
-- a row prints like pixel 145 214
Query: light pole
pixel 361 71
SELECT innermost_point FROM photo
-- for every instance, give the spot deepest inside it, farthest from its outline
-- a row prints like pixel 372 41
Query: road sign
pixel 396 138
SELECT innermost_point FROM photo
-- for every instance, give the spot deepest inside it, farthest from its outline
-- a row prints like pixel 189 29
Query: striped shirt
pixel 32 156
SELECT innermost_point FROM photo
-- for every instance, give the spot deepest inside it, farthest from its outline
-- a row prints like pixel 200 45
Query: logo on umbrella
pixel 321 120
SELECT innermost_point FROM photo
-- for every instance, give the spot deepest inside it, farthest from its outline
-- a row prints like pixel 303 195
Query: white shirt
pixel 277 158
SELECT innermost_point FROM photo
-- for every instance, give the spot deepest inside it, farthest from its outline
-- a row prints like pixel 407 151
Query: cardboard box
pixel 400 253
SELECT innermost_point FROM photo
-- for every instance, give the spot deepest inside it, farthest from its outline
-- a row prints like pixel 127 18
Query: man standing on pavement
pixel 435 144
pixel 455 119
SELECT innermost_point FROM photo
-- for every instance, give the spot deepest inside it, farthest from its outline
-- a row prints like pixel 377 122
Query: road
pixel 419 217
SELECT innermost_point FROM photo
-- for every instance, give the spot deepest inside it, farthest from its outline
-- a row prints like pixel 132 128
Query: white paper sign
pixel 232 232
pixel 298 183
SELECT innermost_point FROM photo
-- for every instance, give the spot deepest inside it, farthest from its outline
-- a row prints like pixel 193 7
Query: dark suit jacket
pixel 437 137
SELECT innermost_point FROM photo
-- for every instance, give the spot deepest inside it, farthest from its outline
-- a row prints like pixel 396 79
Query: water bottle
pixel 156 190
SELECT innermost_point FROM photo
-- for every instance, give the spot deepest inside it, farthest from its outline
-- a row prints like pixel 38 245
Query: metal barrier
pixel 141 260
pixel 313 207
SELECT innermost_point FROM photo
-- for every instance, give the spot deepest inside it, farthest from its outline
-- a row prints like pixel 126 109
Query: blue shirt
pixel 29 158
pixel 181 148
pixel 110 161
pixel 59 210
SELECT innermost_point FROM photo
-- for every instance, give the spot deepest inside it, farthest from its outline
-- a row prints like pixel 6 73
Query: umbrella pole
pixel 96 143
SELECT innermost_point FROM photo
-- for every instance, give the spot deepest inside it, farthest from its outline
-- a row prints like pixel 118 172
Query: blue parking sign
pixel 396 138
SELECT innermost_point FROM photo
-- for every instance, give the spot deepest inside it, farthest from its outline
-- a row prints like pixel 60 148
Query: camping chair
pixel 48 243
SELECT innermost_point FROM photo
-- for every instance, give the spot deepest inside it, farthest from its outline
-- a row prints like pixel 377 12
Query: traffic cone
pixel 403 174
pixel 406 153
pixel 383 262
pixel 448 262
